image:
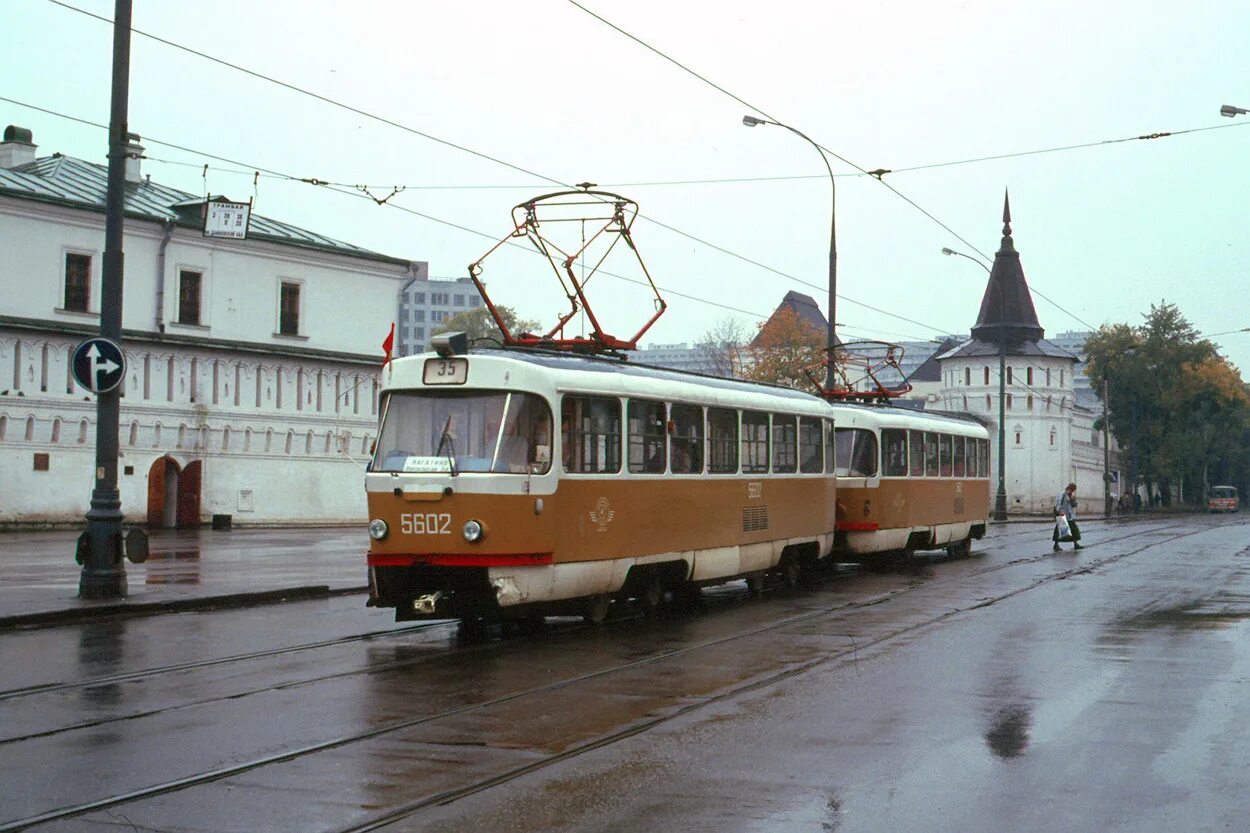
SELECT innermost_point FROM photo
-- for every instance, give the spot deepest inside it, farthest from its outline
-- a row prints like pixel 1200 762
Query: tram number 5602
pixel 431 524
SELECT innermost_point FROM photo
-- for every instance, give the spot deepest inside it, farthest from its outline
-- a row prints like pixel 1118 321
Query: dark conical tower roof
pixel 1007 313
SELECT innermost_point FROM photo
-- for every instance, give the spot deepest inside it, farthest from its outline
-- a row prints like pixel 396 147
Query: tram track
pixel 129 676
pixel 400 812
pixel 374 668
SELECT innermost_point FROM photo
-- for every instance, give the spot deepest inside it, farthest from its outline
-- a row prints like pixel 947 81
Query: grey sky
pixel 1105 231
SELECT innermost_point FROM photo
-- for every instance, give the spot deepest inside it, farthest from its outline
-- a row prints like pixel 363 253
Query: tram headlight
pixel 378 529
pixel 473 531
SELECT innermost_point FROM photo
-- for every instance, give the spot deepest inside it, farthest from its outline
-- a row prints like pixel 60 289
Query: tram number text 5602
pixel 431 524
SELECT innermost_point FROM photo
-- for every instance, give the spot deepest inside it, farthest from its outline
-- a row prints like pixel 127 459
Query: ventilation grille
pixel 754 518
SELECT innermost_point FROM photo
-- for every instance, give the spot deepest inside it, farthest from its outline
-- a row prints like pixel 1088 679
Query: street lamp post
pixel 752 121
pixel 1000 499
pixel 103 572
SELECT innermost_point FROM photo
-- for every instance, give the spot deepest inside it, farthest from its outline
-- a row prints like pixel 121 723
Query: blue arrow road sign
pixel 99 365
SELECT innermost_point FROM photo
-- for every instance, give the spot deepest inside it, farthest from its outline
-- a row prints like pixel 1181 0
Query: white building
pixel 1050 437
pixel 252 365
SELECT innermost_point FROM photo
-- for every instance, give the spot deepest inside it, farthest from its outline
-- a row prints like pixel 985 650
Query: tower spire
pixel 1007 313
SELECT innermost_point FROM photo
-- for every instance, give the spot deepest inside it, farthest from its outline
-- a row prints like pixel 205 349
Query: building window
pixel 988 405
pixel 1009 402
pixel 1052 436
pixel 438 315
pixel 459 300
pixel 418 332
pixel 77 282
pixel 418 298
pixel 438 298
pixel 967 375
pixel 987 374
pixel 1048 377
pixel 1028 376
pixel 189 285
pixel 1009 378
pixel 1017 438
pixel 288 309
pixel 1061 377
pixel 1029 404
pixel 418 315
pixel 475 301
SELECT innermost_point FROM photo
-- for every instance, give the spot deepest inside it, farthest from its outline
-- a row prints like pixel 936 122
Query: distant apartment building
pixel 676 356
pixel 425 304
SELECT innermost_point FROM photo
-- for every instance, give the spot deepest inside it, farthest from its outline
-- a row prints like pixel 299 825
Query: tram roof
pixel 596 364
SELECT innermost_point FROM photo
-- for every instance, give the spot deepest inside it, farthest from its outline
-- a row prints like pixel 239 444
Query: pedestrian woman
pixel 1065 506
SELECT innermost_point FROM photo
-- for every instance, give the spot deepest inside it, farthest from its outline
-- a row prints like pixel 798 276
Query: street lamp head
pixel 752 121
pixel 947 251
pixel 1229 111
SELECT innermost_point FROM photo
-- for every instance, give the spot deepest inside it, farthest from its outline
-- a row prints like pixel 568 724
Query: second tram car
pixel 514 483
pixel 909 480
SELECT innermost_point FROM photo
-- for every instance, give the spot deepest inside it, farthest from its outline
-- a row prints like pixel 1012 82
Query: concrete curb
pixel 226 601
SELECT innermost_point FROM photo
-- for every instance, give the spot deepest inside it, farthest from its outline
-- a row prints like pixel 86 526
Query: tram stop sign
pixel 99 365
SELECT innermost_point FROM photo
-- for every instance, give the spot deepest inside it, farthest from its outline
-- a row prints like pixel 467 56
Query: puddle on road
pixel 1193 616
pixel 172 567
pixel 1008 735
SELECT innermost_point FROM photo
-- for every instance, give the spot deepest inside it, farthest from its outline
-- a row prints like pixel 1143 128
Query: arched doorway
pixel 163 483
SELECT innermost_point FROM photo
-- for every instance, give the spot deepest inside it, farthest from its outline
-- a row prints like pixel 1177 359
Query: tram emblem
pixel 602 514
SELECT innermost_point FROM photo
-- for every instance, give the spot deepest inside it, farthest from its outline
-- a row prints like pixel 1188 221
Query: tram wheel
pixel 652 598
pixel 961 549
pixel 597 609
pixel 473 629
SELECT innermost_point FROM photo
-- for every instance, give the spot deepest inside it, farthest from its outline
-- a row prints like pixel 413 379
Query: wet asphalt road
pixel 1016 690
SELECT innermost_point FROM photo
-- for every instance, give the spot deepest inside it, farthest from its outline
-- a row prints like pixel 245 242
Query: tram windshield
pixel 478 431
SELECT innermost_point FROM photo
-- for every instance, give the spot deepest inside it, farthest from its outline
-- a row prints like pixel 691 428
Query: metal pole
pixel 103 572
pixel 1106 454
pixel 831 337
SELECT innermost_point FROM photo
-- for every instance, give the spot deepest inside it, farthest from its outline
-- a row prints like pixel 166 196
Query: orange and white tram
pixel 517 483
pixel 909 480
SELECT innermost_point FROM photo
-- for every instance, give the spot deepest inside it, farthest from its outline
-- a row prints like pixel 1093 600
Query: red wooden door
pixel 156 492
pixel 189 495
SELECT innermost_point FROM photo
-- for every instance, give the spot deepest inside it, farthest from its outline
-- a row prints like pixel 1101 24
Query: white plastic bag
pixel 1065 531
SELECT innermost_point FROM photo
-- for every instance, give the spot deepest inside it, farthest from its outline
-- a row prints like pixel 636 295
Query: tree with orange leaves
pixel 785 346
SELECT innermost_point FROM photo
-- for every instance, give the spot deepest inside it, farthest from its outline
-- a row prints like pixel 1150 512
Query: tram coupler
pixel 426 604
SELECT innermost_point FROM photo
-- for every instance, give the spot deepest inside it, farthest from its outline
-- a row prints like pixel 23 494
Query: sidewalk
pixel 186 570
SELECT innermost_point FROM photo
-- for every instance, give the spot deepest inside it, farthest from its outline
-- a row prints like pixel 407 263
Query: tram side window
pixel 722 430
pixel 811 456
pixel 961 468
pixel 591 434
pixel 785 444
pixel 984 470
pixel 915 444
pixel 686 439
pixel 894 452
pixel 754 442
pixel 856 450
pixel 524 444
pixel 944 453
pixel 647 430
pixel 930 454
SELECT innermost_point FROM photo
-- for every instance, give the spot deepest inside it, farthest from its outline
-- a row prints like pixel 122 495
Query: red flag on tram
pixel 388 345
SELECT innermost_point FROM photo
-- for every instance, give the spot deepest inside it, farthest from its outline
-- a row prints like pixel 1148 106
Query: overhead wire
pixel 877 176
pixel 392 123
pixel 353 193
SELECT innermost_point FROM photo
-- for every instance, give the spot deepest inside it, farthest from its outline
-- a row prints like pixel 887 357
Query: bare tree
pixel 723 347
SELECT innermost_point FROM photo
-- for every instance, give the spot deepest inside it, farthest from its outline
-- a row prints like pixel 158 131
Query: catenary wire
pixel 479 154
pixel 824 149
